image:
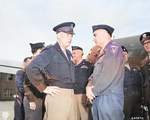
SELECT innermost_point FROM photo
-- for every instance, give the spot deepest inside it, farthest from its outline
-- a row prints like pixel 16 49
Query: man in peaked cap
pixel 33 99
pixel 37 45
pixel 83 70
pixel 145 69
pixel 55 60
pixel 36 48
pixel 132 90
pixel 105 89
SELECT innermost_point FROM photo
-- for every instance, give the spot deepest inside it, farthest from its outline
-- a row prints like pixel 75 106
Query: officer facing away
pixel 106 90
pixel 18 106
pixel 83 70
pixel 145 69
pixel 132 90
pixel 55 60
pixel 93 54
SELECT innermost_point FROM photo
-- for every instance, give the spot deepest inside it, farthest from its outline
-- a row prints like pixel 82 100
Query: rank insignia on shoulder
pixel 114 49
pixel 84 66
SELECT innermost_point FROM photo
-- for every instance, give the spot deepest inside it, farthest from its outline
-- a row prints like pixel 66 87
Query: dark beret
pixel 124 49
pixel 66 27
pixel 106 27
pixel 37 45
pixel 145 36
pixel 76 48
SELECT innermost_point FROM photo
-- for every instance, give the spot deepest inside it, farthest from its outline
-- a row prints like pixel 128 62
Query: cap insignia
pixel 144 35
pixel 71 25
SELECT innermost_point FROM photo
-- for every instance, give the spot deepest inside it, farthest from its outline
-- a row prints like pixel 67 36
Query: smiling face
pixel 64 39
pixel 146 45
pixel 77 54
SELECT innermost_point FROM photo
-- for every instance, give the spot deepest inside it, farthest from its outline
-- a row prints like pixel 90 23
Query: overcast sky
pixel 30 21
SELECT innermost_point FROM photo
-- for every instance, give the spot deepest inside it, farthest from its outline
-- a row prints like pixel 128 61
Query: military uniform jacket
pixel 82 73
pixel 55 63
pixel 31 91
pixel 132 80
pixel 20 81
pixel 108 74
pixel 145 70
pixel 145 76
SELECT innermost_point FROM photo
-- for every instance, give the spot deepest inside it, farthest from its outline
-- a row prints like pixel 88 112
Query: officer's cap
pixel 145 36
pixel 37 45
pixel 106 27
pixel 124 49
pixel 66 27
pixel 76 48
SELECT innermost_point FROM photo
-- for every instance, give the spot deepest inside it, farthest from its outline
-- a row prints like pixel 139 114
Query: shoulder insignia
pixel 114 49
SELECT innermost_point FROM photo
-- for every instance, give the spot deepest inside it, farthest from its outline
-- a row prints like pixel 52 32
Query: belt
pixel 62 85
pixel 126 89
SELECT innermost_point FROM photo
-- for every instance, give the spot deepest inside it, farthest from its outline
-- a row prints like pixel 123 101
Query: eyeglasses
pixel 146 43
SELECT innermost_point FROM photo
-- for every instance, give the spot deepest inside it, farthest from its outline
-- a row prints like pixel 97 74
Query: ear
pixel 82 53
pixel 58 35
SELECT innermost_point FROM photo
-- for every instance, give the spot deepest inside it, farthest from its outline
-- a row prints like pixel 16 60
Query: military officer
pixel 93 54
pixel 132 90
pixel 83 70
pixel 55 60
pixel 106 87
pixel 18 106
pixel 33 99
pixel 145 69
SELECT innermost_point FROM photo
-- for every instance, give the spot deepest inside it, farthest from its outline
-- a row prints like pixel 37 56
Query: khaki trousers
pixel 62 106
pixel 84 109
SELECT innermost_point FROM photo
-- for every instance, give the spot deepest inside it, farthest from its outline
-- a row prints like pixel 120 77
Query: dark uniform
pixel 33 95
pixel 82 73
pixel 60 67
pixel 19 109
pixel 145 72
pixel 132 93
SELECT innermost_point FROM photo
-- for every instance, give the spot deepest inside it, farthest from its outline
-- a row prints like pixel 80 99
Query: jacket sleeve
pixel 90 69
pixel 107 71
pixel 29 94
pixel 19 81
pixel 35 68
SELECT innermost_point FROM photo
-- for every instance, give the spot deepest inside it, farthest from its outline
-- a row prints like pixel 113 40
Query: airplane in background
pixel 135 49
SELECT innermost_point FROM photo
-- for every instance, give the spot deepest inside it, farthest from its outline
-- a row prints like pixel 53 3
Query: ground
pixel 7 107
